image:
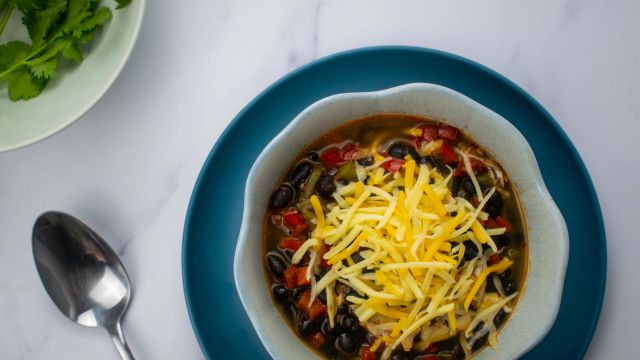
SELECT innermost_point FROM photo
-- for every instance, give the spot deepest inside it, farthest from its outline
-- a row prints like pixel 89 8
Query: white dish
pixel 74 90
pixel 548 244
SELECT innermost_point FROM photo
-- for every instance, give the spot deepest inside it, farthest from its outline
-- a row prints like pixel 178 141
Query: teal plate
pixel 215 211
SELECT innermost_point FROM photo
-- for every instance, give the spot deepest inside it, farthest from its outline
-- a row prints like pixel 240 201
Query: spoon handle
pixel 119 341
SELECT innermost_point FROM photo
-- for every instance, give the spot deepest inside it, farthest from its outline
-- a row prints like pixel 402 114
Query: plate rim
pixel 370 49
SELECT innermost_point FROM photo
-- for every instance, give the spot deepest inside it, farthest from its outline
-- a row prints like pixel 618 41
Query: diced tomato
pixel 432 348
pixel 317 339
pixel 393 165
pixel 366 354
pixel 323 261
pixel 476 165
pixel 290 277
pixel 348 151
pixel 447 155
pixel 502 222
pixel 301 277
pixel 494 259
pixel 313 309
pixel 429 132
pixel 447 133
pixel 416 141
pixel 291 243
pixel 332 157
pixel 292 219
pixel 300 230
pixel 490 224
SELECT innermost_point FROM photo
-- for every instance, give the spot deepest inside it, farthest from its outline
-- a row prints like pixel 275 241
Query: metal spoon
pixel 82 274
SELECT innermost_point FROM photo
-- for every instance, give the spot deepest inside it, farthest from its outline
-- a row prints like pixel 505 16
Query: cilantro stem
pixel 5 17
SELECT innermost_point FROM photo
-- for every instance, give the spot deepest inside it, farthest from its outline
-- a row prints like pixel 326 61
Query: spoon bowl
pixel 82 274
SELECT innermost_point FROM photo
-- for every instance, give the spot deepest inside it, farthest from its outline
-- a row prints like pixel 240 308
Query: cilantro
pixel 57 29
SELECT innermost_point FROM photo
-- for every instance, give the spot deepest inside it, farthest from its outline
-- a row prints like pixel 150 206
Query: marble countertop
pixel 127 167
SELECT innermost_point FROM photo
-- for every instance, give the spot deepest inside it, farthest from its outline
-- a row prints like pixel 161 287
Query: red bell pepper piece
pixel 290 277
pixel 494 259
pixel 429 132
pixel 447 133
pixel 301 277
pixel 502 222
pixel 317 340
pixel 490 224
pixel 300 230
pixel 323 261
pixel 433 348
pixel 366 354
pixel 476 165
pixel 292 219
pixel 290 243
pixel 349 151
pixel 446 154
pixel 313 309
pixel 393 165
pixel 332 157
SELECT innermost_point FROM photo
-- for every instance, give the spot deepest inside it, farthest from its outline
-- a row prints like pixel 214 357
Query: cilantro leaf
pixel 72 52
pixel 40 22
pixel 12 52
pixel 45 69
pixel 99 18
pixel 23 86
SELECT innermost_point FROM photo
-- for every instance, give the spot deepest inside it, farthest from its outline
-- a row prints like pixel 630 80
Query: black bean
pixel 467 185
pixel 281 293
pixel 323 297
pixel 506 275
pixel 313 156
pixel 499 319
pixel 480 343
pixel 491 287
pixel 325 187
pixel 399 357
pixel 366 161
pixel 502 240
pixel 292 311
pixel 327 330
pixel 301 173
pixel 295 294
pixel 470 250
pixel 416 157
pixel 281 197
pixel 349 322
pixel 509 286
pixel 346 344
pixel 456 184
pixel 305 326
pixel 494 205
pixel 356 257
pixel 342 309
pixel 463 194
pixel 398 150
pixel 276 265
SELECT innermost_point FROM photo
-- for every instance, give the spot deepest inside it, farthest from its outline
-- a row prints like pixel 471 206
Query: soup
pixel 395 237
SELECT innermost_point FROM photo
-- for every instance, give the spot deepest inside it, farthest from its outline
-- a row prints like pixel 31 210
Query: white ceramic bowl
pixel 75 88
pixel 547 233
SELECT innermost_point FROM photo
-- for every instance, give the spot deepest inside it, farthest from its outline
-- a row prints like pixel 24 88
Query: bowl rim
pixel 541 194
pixel 133 39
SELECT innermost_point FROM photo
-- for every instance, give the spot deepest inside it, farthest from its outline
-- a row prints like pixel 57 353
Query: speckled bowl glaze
pixel 536 311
